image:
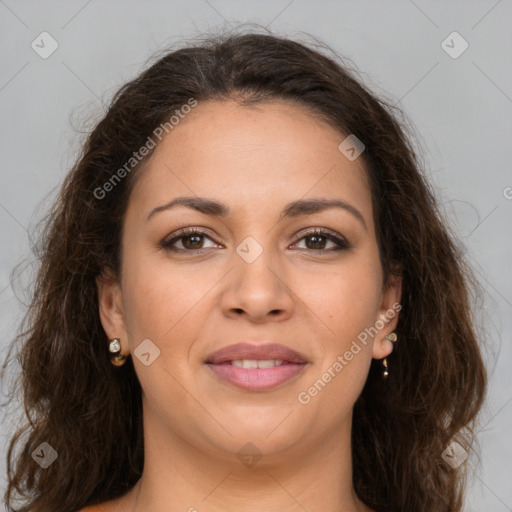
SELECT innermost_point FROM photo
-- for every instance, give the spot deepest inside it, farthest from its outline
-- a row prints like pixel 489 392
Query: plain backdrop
pixel 460 105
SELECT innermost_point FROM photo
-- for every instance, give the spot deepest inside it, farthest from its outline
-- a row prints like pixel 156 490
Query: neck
pixel 311 475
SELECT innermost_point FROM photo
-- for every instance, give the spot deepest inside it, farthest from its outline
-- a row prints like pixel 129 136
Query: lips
pixel 256 352
pixel 256 367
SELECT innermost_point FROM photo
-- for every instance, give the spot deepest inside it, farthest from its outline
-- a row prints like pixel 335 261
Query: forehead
pixel 252 155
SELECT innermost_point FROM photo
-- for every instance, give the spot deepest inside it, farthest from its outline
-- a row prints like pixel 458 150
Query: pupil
pixel 191 237
pixel 315 244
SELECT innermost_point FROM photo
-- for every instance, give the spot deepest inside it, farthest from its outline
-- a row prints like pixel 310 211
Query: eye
pixel 191 239
pixel 317 239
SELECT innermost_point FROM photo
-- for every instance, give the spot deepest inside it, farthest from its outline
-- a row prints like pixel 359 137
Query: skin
pixel 255 160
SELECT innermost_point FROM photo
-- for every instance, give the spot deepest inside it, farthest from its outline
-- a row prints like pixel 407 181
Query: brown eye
pixel 317 240
pixel 191 240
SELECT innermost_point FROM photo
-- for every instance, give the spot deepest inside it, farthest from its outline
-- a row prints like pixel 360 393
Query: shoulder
pixel 117 505
pixel 121 504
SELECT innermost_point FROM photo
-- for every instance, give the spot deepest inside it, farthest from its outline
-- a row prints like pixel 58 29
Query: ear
pixel 387 317
pixel 111 308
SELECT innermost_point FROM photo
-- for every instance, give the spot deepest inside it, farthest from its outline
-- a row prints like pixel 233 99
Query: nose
pixel 258 290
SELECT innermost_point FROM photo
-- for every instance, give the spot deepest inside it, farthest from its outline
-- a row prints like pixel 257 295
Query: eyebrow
pixel 293 209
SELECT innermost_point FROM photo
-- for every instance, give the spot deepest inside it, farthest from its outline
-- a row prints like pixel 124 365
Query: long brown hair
pixel 90 412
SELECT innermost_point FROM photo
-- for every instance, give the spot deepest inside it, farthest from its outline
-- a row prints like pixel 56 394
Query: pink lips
pixel 256 379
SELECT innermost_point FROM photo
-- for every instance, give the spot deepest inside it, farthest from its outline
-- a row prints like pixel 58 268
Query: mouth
pixel 256 367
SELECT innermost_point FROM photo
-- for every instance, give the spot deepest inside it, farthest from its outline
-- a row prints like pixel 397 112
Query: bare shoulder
pixel 107 506
pixel 96 508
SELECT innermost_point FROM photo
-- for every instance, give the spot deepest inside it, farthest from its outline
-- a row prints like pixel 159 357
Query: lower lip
pixel 257 379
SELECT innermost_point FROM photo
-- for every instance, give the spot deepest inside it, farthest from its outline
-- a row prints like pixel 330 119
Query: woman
pixel 247 300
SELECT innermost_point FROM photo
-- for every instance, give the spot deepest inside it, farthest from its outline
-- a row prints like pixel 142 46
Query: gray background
pixel 461 109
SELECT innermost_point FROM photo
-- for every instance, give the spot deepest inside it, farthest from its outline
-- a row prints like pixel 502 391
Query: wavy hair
pixel 91 412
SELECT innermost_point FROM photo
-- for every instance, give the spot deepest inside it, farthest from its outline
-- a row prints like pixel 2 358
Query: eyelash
pixel 341 242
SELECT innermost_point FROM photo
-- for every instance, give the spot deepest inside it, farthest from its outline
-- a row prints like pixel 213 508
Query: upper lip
pixel 262 351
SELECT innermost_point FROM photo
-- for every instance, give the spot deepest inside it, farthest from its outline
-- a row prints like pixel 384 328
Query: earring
pixel 114 347
pixel 393 338
pixel 385 373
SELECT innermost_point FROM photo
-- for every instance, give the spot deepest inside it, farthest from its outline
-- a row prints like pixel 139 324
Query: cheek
pixel 345 300
pixel 161 301
pixel 346 305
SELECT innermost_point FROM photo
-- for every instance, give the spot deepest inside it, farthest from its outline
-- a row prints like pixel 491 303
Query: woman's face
pixel 254 275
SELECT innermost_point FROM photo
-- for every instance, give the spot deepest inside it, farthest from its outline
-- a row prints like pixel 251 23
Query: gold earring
pixel 385 373
pixel 393 338
pixel 114 347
